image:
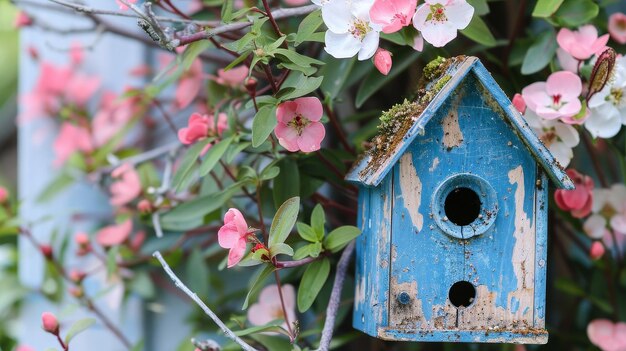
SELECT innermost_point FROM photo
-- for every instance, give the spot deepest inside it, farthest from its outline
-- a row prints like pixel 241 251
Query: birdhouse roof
pixel 409 120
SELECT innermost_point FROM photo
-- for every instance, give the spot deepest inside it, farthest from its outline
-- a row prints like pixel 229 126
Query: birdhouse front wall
pixel 462 214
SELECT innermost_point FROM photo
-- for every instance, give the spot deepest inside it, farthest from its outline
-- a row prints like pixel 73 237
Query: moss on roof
pixel 397 121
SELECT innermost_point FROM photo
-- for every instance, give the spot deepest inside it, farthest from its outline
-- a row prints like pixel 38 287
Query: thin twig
pixel 335 297
pixel 229 333
pixel 86 9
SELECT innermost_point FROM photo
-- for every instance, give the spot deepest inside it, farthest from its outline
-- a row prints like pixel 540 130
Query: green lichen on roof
pixel 397 121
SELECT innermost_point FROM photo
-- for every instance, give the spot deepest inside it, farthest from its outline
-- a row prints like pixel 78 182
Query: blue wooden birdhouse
pixel 453 205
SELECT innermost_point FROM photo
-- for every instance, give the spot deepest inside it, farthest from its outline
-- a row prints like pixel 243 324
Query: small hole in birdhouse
pixel 462 294
pixel 462 206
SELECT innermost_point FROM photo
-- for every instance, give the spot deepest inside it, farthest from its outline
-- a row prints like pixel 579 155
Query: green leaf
pixel 374 81
pixel 142 285
pixel 237 61
pixel 340 237
pixel 78 327
pixel 336 72
pixel 190 214
pixel 283 221
pixel 215 153
pixel 306 232
pixel 270 173
pixel 540 53
pixel 545 8
pixel 312 282
pixel 112 260
pixel 272 326
pixel 263 124
pixel 193 51
pixel 308 26
pixel 184 171
pixel 478 31
pixel 287 184
pixel 257 284
pixel 227 11
pixel 197 273
pixel 138 346
pixel 481 7
pixel 281 249
pixel 312 250
pixel 574 13
pixel 318 221
pixel 53 188
pixel 299 85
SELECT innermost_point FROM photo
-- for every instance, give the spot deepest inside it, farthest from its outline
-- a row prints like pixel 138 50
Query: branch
pixel 229 333
pixel 90 10
pixel 277 14
pixel 335 297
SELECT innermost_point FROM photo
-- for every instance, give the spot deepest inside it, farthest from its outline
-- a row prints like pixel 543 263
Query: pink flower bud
pixel 596 251
pixel 382 61
pixel 22 20
pixel 519 103
pixel 77 276
pixel 46 250
pixel 4 195
pixel 144 206
pixel 50 323
pixel 33 52
pixel 81 239
pixel 137 241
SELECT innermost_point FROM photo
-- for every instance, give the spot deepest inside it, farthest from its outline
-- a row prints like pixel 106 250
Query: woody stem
pixel 282 304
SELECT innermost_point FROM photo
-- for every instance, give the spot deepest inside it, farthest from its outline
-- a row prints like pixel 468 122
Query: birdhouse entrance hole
pixel 462 294
pixel 462 206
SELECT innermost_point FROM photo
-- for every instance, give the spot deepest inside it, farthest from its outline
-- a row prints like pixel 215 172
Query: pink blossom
pixel 596 251
pixel 77 275
pixel 127 187
pixel 382 61
pixel 4 194
pixel 200 127
pixel 567 61
pixel 71 139
pixel 233 235
pixel 296 2
pixel 555 98
pixel 392 15
pixel 114 234
pixel 298 125
pixel 22 20
pixel 617 27
pixel 519 103
pixel 581 43
pixel 81 239
pixel 77 54
pixel 269 307
pixel 24 348
pixel 114 114
pixel 608 336
pixel 123 6
pixel 234 77
pixel 579 200
pixel 141 70
pixel 144 206
pixel 189 85
pixel 50 323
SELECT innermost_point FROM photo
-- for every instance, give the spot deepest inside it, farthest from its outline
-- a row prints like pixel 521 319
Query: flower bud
pixel 250 85
pixel 382 61
pixel 46 250
pixel 144 206
pixel 519 103
pixel 77 276
pixel 596 251
pixel 50 323
pixel 4 195
pixel 22 20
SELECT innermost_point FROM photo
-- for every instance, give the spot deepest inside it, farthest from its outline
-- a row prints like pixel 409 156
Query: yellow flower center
pixel 359 28
pixel 299 123
pixel 437 14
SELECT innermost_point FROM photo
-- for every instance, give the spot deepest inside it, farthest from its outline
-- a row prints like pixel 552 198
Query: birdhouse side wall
pixel 372 258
